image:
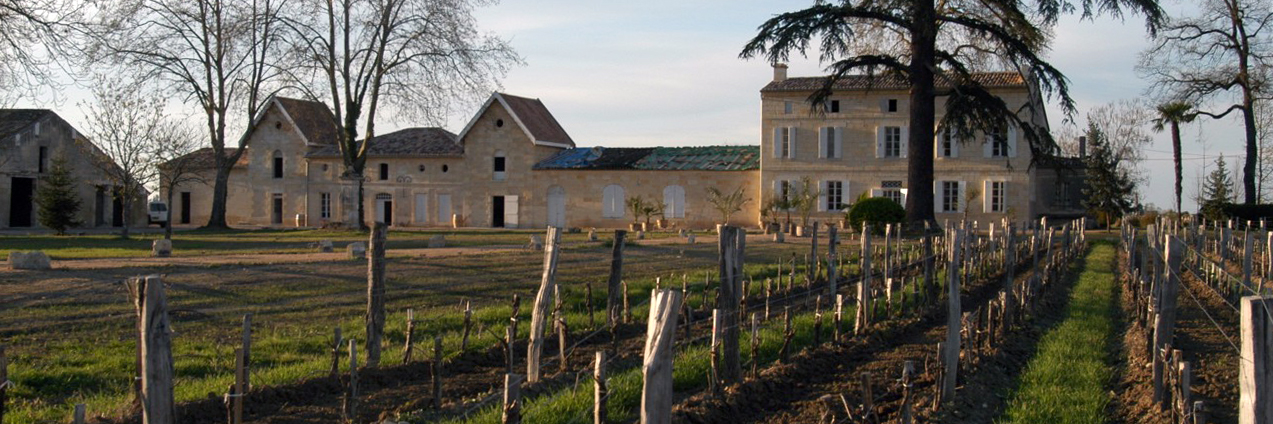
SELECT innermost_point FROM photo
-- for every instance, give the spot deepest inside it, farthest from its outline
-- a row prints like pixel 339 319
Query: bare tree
pixel 34 34
pixel 1125 125
pixel 123 123
pixel 174 163
pixel 1218 61
pixel 219 54
pixel 1264 123
pixel 419 57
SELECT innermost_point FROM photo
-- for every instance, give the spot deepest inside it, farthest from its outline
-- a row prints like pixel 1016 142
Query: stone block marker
pixel 690 238
pixel 29 260
pixel 357 250
pixel 161 248
pixel 325 246
pixel 536 243
pixel 437 241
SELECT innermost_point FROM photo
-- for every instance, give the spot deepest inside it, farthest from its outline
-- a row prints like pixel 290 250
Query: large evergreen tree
pixel 1109 189
pixel 1217 190
pixel 56 199
pixel 926 40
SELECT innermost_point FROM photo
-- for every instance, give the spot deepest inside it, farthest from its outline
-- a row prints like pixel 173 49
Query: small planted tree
pixel 727 204
pixel 804 200
pixel 55 197
pixel 642 209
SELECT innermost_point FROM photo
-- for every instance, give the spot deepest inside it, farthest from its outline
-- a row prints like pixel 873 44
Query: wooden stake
pixel 349 408
pixel 788 333
pixel 755 346
pixel 375 292
pixel 247 352
pixel 1256 367
pixel 908 371
pixel 627 307
pixel 512 399
pixel 868 400
pixel 337 343
pixel 468 325
pixel 592 322
pixel 732 242
pixel 714 376
pixel 79 415
pixel 406 349
pixel 864 303
pixel 656 393
pixel 617 293
pixel 562 332
pixel 156 352
pixel 240 385
pixel 600 392
pixel 543 301
pixel 953 314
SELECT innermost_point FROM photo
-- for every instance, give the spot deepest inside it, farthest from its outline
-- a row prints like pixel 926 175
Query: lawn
pixel 1066 380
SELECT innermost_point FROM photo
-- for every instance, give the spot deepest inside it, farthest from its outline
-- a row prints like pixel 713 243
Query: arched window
pixel 384 172
pixel 674 201
pixel 612 201
pixel 278 164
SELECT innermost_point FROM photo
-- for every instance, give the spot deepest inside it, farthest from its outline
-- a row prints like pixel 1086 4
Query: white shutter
pixel 904 142
pixel 903 198
pixel 778 142
pixel 777 189
pixel 939 138
pixel 839 142
pixel 822 196
pixel 986 194
pixel 876 192
pixel 879 141
pixel 510 211
pixel 822 142
pixel 1012 141
pixel 954 147
pixel 963 191
pixel 987 144
pixel 791 135
pixel 937 198
pixel 844 194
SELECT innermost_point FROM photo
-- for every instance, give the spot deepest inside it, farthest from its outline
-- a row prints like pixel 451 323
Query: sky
pixel 667 73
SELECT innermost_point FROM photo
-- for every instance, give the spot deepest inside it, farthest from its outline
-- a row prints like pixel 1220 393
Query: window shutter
pixel 822 142
pixel 938 138
pixel 937 196
pixel 987 144
pixel 1012 141
pixel 822 196
pixel 954 147
pixel 963 190
pixel 778 141
pixel 884 105
pixel 903 198
pixel 844 194
pixel 986 195
pixel 791 134
pixel 777 189
pixel 876 192
pixel 879 141
pixel 905 141
pixel 839 142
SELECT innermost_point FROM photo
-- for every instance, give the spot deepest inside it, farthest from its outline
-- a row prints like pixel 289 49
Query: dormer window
pixel 278 164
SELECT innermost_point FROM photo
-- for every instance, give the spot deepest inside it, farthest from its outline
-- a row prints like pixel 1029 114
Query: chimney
pixel 780 72
pixel 1082 147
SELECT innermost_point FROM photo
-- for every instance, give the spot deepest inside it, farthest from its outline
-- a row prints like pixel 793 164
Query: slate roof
pixel 703 158
pixel 15 120
pixel 538 121
pixel 204 159
pixel 313 119
pixel 417 142
pixel 888 81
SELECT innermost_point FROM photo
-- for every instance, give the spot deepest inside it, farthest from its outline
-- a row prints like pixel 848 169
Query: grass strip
pixel 1065 381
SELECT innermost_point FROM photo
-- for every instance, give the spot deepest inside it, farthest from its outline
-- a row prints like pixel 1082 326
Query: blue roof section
pixel 704 158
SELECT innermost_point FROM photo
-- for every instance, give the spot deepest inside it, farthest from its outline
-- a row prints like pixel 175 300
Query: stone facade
pixel 30 139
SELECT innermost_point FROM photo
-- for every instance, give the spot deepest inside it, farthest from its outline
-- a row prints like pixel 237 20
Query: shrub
pixel 1244 213
pixel 56 199
pixel 877 211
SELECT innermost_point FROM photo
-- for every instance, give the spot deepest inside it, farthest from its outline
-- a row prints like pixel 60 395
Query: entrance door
pixel 421 209
pixel 384 208
pixel 185 207
pixel 20 203
pixel 276 215
pixel 99 210
pixel 556 207
pixel 117 209
pixel 510 211
pixel 497 211
pixel 444 209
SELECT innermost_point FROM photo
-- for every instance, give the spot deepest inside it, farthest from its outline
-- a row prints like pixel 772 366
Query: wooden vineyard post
pixel 240 384
pixel 732 242
pixel 864 304
pixel 337 343
pixel 599 391
pixel 1248 253
pixel 755 346
pixel 627 307
pixel 247 352
pixel 1165 316
pixel 375 292
pixel 788 333
pixel 437 372
pixel 616 296
pixel 951 353
pixel 833 277
pixel 510 337
pixel 562 332
pixel 868 400
pixel 1186 390
pixel 4 382
pixel 349 407
pixel 512 399
pixel 1255 378
pixel 839 310
pixel 592 322
pixel 468 326
pixel 714 376
pixel 1009 273
pixel 78 416
pixel 656 392
pixel 930 283
pixel 156 351
pixel 908 371
pixel 406 349
pixel 543 301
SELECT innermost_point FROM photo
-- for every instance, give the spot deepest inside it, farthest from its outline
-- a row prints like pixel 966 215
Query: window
pixel 674 201
pixel 44 159
pixel 834 194
pixel 892 105
pixel 891 190
pixel 892 142
pixel 278 164
pixel 998 144
pixel 384 172
pixel 996 196
pixel 894 194
pixel 949 196
pixel 784 142
pixel 786 108
pixel 784 190
pixel 1062 197
pixel 830 142
pixel 499 164
pixel 445 168
pixel 612 201
pixel 832 106
pixel 325 205
pixel 947 147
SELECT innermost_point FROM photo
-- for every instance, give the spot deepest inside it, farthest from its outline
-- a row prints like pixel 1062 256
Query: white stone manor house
pixel 515 166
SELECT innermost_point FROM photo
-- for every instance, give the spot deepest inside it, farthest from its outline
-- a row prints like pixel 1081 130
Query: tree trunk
pixel 1175 150
pixel 219 194
pixel 1252 152
pixel 168 226
pixel 362 205
pixel 919 202
pixel 127 204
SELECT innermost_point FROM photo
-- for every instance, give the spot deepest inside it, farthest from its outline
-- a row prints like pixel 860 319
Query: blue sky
pixel 667 72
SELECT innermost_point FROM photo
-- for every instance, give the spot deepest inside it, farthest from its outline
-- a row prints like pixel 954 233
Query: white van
pixel 158 214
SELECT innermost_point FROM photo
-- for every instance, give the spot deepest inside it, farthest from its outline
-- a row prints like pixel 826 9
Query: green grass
pixel 214 242
pixel 1065 381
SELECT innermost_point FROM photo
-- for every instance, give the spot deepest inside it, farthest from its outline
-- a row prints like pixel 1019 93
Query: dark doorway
pixel 388 218
pixel 21 201
pixel 497 212
pixel 276 217
pixel 185 207
pixel 99 210
pixel 117 209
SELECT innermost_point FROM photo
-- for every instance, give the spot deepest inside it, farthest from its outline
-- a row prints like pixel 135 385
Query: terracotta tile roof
pixel 415 142
pixel 535 116
pixel 704 158
pixel 15 120
pixel 313 119
pixel 887 81
pixel 204 159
